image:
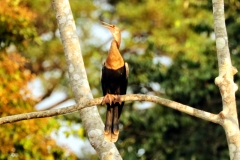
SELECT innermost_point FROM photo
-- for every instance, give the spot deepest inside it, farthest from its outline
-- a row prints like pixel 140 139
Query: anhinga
pixel 114 83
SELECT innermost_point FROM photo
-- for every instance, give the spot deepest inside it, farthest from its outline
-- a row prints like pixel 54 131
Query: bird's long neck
pixel 114 59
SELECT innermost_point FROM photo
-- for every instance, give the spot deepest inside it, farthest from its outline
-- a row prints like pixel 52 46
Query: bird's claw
pixel 118 99
pixel 108 98
pixel 111 98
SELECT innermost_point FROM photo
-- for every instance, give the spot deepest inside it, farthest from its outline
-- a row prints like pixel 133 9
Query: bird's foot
pixel 117 99
pixel 108 98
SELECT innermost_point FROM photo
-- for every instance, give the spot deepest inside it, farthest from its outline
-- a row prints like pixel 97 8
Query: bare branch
pixel 130 97
pixel 56 104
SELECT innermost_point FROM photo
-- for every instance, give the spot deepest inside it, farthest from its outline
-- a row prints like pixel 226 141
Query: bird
pixel 114 80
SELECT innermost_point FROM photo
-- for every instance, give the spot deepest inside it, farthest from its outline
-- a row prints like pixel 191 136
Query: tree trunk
pixel 225 82
pixel 91 119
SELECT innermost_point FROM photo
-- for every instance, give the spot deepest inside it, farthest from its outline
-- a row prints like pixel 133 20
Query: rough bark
pixel 91 119
pixel 225 82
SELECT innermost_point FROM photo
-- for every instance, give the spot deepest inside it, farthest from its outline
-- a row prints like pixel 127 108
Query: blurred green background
pixel 170 49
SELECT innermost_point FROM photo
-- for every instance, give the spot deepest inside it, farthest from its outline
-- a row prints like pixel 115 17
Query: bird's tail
pixel 111 131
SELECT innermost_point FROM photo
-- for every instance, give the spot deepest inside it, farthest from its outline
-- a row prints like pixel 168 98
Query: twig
pixel 55 105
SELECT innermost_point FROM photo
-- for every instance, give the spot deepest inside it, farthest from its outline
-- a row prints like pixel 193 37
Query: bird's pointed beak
pixel 109 26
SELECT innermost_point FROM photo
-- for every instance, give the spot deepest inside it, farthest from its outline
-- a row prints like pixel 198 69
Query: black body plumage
pixel 114 82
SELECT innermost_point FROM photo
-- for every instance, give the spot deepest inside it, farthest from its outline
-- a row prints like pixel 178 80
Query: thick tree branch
pixel 225 81
pixel 130 97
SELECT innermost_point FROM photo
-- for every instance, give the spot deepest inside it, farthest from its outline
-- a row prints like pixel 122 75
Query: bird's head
pixel 114 30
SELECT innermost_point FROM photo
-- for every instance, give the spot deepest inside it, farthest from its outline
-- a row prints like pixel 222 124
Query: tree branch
pixel 215 118
pixel 56 104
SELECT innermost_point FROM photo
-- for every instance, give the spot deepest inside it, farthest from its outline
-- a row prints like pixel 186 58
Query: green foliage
pixel 170 31
pixel 16 24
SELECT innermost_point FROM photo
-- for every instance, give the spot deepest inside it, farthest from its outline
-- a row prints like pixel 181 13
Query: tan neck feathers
pixel 114 59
